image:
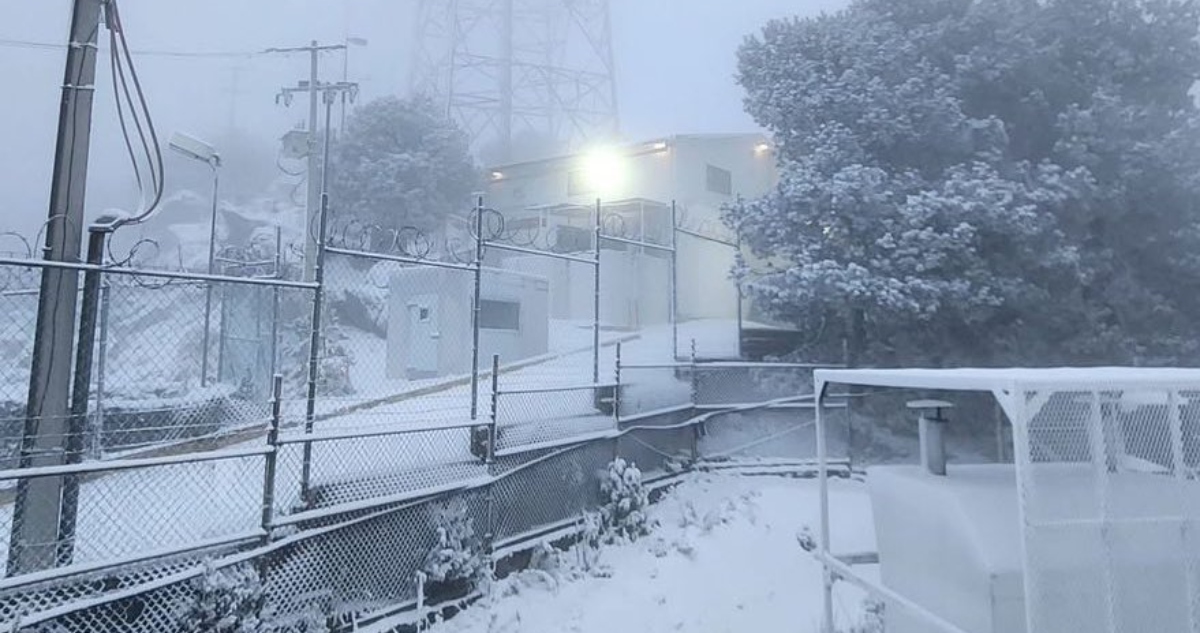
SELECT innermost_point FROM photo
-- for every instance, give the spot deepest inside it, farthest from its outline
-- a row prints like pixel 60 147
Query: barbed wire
pixel 409 242
pixel 7 236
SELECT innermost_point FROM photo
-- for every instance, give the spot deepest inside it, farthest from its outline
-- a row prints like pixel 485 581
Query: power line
pixel 32 45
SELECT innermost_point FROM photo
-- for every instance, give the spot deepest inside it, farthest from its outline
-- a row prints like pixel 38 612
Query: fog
pixel 675 63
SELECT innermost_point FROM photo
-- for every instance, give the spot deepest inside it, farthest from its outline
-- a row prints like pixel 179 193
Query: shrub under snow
pixel 623 515
pixel 458 553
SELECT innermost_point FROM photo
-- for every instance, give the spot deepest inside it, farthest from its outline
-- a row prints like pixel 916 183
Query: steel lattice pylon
pixel 521 76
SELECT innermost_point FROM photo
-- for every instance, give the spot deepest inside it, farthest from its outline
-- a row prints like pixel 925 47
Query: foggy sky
pixel 675 63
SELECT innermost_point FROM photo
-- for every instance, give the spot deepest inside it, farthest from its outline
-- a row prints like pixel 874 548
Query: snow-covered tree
pixel 400 164
pixel 981 181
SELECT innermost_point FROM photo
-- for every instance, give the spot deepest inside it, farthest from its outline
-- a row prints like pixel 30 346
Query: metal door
pixel 423 336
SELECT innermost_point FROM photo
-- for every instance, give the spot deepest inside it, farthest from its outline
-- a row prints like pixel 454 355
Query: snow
pixel 975 379
pixel 725 556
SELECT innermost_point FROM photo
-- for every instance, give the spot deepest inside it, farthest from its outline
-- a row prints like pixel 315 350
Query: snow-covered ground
pixel 725 557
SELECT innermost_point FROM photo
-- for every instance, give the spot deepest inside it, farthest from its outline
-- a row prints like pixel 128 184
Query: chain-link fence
pixel 351 543
pixel 318 495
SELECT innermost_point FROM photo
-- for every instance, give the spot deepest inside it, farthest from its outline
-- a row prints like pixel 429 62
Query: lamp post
pixel 199 150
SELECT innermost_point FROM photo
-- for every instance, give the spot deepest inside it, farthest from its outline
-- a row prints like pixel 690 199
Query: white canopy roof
pixel 978 379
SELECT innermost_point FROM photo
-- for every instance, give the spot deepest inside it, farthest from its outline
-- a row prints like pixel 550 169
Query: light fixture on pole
pixel 196 149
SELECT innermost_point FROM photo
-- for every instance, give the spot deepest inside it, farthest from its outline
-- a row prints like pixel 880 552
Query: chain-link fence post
pixel 617 390
pixel 97 433
pixel 476 307
pixel 596 303
pixel 272 458
pixel 695 387
pixel 674 282
pixel 737 258
pixel 493 429
pixel 314 351
pixel 846 415
pixel 697 429
pixel 275 301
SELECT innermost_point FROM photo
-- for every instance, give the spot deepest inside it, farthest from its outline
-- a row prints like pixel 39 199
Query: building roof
pixel 977 379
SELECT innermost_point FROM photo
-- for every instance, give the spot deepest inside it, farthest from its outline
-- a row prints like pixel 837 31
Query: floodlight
pixel 195 149
pixel 605 170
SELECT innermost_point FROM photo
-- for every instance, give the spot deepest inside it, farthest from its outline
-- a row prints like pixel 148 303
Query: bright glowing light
pixel 658 146
pixel 497 175
pixel 605 170
pixel 762 148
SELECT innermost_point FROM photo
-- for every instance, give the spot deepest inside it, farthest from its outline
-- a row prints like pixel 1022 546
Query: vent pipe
pixel 931 429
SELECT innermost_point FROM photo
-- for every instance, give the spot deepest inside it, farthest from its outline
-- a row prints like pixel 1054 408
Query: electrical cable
pixel 139 112
pixel 33 45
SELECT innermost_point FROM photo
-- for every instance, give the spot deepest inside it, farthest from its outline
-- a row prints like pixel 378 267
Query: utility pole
pixel 330 91
pixel 506 81
pixel 313 201
pixel 37 510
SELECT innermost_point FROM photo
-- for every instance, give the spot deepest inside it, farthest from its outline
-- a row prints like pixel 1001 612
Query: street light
pixel 196 149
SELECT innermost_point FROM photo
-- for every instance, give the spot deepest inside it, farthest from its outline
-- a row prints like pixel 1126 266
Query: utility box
pixel 430 320
pixel 952 544
pixel 1094 527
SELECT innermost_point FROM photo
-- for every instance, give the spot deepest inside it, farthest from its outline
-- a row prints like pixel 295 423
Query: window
pixel 720 181
pixel 499 315
pixel 572 239
pixel 423 314
pixel 577 183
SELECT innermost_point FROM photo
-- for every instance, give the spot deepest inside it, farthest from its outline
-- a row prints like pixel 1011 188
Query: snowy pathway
pixel 725 559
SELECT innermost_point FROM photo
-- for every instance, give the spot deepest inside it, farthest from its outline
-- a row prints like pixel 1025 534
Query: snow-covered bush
pixel 458 554
pixel 682 461
pixel 623 515
pixel 228 600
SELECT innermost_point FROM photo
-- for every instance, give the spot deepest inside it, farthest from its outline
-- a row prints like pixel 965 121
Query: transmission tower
pixel 535 75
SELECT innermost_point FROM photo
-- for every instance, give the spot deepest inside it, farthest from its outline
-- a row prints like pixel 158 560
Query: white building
pixel 429 320
pixel 554 200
